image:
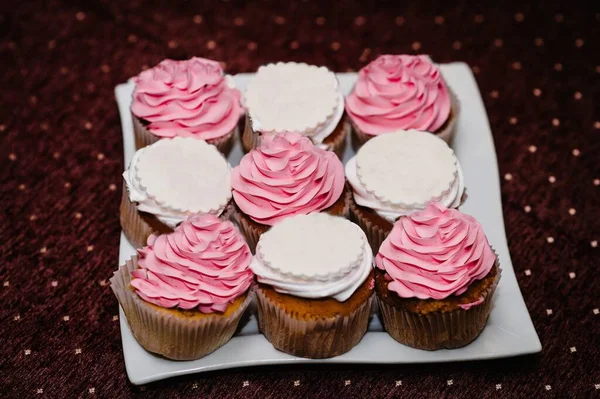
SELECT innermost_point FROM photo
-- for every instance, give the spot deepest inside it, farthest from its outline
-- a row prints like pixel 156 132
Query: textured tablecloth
pixel 62 157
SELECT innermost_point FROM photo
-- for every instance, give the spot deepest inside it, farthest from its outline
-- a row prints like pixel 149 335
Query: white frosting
pixel 299 98
pixel 313 256
pixel 399 173
pixel 174 178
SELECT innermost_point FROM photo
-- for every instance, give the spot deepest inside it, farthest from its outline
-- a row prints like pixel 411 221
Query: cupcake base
pixel 314 328
pixel 144 138
pixel 446 132
pixel 173 333
pixel 335 142
pixel 138 226
pixel 436 324
pixel 253 230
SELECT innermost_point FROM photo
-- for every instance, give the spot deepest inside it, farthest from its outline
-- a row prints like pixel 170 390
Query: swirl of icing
pixel 435 253
pixel 187 99
pixel 203 264
pixel 399 92
pixel 287 175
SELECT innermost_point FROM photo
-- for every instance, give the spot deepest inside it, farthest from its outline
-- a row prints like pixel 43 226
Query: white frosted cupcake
pixel 315 277
pixel 170 180
pixel 397 174
pixel 299 98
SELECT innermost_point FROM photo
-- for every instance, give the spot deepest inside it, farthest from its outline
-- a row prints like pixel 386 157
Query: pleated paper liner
pixel 377 232
pixel 253 230
pixel 165 332
pixel 446 133
pixel 439 330
pixel 311 338
pixel 144 138
pixel 336 141
pixel 138 226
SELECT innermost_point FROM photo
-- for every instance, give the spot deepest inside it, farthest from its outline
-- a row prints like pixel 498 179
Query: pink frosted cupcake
pixel 190 98
pixel 186 292
pixel 435 277
pixel 287 175
pixel 401 92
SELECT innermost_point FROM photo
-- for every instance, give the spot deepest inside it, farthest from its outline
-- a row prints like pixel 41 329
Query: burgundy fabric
pixel 62 156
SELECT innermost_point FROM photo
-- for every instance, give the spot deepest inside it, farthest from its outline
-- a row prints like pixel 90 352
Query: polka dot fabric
pixel 62 158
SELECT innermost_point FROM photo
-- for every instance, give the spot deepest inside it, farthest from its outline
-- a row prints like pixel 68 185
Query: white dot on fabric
pixel 572 275
pixel 527 209
pixel 552 179
pixel 550 240
pixel 549 312
pixel 532 149
pixel 508 177
pixel 528 272
pixel 572 211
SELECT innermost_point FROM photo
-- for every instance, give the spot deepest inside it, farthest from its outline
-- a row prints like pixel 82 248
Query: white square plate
pixel 509 330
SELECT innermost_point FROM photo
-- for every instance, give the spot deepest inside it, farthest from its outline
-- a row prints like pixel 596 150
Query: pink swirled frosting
pixel 399 92
pixel 186 99
pixel 287 175
pixel 435 253
pixel 203 264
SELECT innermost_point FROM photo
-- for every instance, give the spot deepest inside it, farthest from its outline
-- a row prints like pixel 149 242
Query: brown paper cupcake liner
pixel 166 334
pixel 251 140
pixel 144 138
pixel 313 338
pixel 375 234
pixel 252 230
pixel 359 138
pixel 438 330
pixel 137 229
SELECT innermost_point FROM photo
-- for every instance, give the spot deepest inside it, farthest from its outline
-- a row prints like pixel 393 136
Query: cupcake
pixel 300 98
pixel 401 92
pixel 170 180
pixel 400 173
pixel 435 277
pixel 189 98
pixel 315 286
pixel 185 293
pixel 287 175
